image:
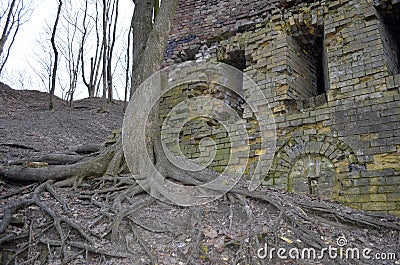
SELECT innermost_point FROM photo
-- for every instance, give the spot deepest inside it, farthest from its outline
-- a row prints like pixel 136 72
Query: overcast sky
pixel 22 53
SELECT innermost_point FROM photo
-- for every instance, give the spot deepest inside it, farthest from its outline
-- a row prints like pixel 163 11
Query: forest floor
pixel 229 230
pixel 25 120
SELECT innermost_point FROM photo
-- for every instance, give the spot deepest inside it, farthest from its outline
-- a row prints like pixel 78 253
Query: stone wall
pixel 201 22
pixel 330 72
pixel 389 30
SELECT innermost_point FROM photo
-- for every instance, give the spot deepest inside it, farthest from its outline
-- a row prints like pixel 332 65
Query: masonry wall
pixel 390 49
pixel 200 22
pixel 301 71
pixel 344 144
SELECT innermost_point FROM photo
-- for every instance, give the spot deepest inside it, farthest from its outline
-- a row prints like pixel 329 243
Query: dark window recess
pixel 308 50
pixel 236 59
pixel 389 15
pixel 320 65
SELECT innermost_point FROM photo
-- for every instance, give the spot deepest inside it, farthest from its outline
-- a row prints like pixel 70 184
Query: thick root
pixel 93 167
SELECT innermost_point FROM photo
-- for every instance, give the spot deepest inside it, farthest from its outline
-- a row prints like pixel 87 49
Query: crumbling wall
pixel 200 22
pixel 342 142
pixel 389 19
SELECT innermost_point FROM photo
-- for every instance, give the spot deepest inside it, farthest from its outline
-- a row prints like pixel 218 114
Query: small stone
pixel 17 220
pixel 35 164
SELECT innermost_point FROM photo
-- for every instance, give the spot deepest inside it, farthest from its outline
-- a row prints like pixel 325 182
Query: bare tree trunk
pixel 14 13
pixel 156 8
pixel 7 27
pixel 97 59
pixel 128 55
pixel 89 85
pixel 104 59
pixel 109 80
pixel 111 49
pixel 142 21
pixel 55 65
pixel 96 82
pixel 75 78
pixel 71 52
pixel 43 56
pixel 91 79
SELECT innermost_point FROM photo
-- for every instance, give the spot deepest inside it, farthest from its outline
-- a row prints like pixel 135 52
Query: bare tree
pixel 112 29
pixel 104 59
pixel 71 47
pixel 12 15
pixel 127 68
pixel 110 19
pixel 43 57
pixel 17 78
pixel 95 60
pixel 55 62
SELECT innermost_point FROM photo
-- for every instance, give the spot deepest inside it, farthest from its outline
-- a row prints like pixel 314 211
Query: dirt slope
pixel 26 121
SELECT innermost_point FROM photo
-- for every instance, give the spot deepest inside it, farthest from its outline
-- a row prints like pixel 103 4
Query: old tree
pixel 89 207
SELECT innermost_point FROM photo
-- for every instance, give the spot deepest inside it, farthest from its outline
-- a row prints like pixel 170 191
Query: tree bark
pixel 110 51
pixel 7 27
pixel 142 26
pixel 94 167
pixel 14 13
pixel 55 65
pixel 104 59
pixel 90 86
pixel 128 55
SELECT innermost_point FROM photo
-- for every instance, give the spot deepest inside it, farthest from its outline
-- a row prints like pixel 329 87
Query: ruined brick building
pixel 330 70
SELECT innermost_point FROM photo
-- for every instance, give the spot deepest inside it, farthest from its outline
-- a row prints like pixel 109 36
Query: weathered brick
pixel 357 128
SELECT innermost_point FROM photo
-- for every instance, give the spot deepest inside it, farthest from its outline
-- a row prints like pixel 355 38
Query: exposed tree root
pixel 21 146
pixel 51 159
pixel 115 196
pixel 84 149
pixel 15 192
pixel 200 227
pixel 89 168
pixel 34 199
pixel 292 207
pixel 153 259
pixel 85 247
pixel 120 216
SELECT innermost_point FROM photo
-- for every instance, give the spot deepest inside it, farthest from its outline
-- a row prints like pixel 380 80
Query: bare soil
pixel 25 120
pixel 227 231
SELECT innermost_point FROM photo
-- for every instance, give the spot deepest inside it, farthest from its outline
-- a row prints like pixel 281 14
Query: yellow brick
pixel 378 197
pixel 260 152
pixel 388 160
pixel 373 189
pixel 374 166
pixel 368 136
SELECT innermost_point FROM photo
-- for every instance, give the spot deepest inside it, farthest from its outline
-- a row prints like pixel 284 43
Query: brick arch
pixel 332 148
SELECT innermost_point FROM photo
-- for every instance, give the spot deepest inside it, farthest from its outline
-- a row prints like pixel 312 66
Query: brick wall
pixel 389 30
pixel 200 21
pixel 343 144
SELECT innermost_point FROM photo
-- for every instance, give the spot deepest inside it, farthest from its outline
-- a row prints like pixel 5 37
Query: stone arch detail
pixel 313 147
